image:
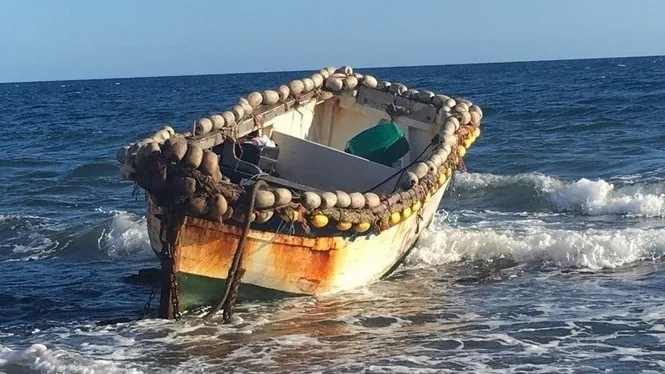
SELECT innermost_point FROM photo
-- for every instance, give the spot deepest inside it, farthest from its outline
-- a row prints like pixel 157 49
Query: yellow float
pixel 290 215
pixel 319 220
pixel 363 226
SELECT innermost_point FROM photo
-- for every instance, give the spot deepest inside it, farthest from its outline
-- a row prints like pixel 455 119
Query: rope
pixel 462 166
pixel 169 301
pixel 258 123
pixel 235 272
pixel 135 191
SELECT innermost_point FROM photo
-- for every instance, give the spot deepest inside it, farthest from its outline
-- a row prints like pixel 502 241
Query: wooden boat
pixel 269 194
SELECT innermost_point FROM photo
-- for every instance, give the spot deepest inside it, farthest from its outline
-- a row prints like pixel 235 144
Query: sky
pixel 85 39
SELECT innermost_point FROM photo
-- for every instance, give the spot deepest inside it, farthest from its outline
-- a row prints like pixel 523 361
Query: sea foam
pixel 583 196
pixel 39 358
pixel 589 248
pixel 125 234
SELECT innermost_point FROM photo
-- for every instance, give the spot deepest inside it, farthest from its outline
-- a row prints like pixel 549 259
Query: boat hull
pixel 280 264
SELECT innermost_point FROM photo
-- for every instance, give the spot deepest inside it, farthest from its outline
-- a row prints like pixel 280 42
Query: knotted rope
pixel 227 301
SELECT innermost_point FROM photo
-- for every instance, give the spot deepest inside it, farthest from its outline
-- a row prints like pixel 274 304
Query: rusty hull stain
pixel 285 262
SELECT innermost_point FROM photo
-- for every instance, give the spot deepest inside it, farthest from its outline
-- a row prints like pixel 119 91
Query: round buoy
pixel 238 112
pixel 229 118
pixel 347 70
pixel 384 86
pixel 218 207
pixel 311 200
pixel 203 126
pixel 194 156
pixel 283 196
pixel 334 84
pixel 317 79
pixel 264 199
pixel 350 82
pixel 178 150
pixel 420 169
pixel 290 215
pixel 270 97
pixel 296 87
pixel 263 217
pixel 284 91
pixel 372 200
pixel 369 81
pixel 328 200
pixel 319 220
pixel 343 199
pixel 408 180
pixel 255 99
pixel 357 200
pixel 209 163
pixel 308 83
pixel 246 107
pixel 218 121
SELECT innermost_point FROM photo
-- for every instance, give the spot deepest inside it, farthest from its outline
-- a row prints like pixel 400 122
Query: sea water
pixel 545 257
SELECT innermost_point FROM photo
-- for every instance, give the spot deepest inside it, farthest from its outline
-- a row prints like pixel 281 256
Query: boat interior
pixel 308 144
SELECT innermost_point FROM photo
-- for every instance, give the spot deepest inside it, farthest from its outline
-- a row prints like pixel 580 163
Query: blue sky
pixel 76 39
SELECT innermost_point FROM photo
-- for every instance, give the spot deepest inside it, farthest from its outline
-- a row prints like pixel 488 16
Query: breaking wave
pixel 583 196
pixel 594 249
pixel 117 234
pixel 126 234
pixel 38 358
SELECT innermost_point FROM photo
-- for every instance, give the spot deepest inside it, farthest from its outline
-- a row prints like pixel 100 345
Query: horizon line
pixel 497 62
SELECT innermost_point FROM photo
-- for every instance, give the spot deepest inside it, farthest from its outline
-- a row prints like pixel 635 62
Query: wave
pixel 593 249
pixel 27 237
pixel 117 235
pixel 126 235
pixel 583 196
pixel 38 358
pixel 91 170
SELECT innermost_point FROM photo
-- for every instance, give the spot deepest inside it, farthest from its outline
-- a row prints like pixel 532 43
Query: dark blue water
pixel 547 257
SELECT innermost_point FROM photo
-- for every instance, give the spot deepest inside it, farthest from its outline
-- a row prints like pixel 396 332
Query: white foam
pixel 600 197
pixel 590 197
pixel 297 340
pixel 30 238
pixel 127 235
pixel 7 217
pixel 592 248
pixel 475 181
pixel 41 359
pixel 40 247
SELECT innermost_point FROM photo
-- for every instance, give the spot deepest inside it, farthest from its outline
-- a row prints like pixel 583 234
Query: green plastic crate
pixel 384 143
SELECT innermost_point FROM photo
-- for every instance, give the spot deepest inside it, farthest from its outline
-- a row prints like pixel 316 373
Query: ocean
pixel 545 257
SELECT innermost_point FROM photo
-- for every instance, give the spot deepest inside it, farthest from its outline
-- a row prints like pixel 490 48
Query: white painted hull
pixel 296 265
